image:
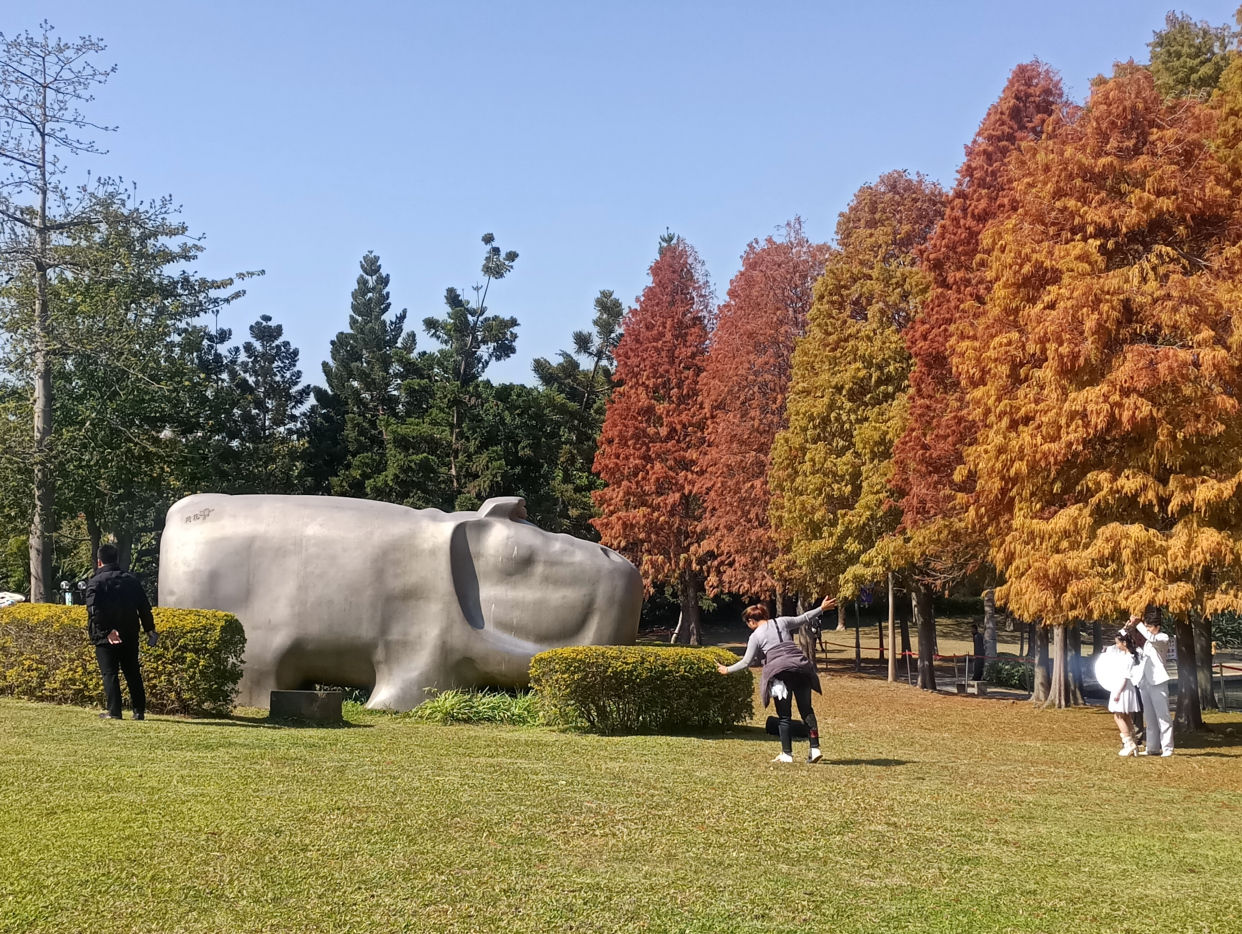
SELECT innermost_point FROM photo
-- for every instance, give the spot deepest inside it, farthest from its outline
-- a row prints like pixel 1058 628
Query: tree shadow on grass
pixel 1211 741
pixel 268 723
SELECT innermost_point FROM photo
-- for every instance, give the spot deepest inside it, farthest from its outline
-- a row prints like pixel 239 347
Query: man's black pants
pixel 121 658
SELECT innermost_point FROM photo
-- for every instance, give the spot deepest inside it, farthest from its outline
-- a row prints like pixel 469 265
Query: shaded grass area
pixel 930 813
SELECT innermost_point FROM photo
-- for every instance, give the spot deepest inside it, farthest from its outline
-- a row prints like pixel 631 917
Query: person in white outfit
pixel 1123 702
pixel 1152 679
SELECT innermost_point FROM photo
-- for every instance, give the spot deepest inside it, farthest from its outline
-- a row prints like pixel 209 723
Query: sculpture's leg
pixel 262 666
pixel 401 684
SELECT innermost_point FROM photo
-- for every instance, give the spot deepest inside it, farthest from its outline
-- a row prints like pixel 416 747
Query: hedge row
pixel 194 669
pixel 640 689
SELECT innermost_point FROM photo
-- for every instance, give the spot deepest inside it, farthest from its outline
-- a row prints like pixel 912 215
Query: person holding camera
pixel 116 605
pixel 1152 679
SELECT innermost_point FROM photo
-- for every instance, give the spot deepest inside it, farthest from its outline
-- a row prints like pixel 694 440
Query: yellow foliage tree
pixel 831 467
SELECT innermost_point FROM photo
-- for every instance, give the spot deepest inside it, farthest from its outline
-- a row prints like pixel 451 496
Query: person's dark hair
pixel 756 613
pixel 108 553
pixel 1127 641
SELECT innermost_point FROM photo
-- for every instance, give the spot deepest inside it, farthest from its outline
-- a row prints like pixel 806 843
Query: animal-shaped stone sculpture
pixel 352 592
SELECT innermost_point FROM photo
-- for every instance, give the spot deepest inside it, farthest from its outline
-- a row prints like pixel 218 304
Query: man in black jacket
pixel 115 606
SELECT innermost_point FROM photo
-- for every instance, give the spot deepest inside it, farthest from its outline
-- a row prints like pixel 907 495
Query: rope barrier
pixel 986 658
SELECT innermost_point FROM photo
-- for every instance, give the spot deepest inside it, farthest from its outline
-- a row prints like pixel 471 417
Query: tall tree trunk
pixel 857 639
pixel 925 619
pixel 44 474
pixel 124 549
pixel 1189 714
pixel 1097 637
pixel 1043 680
pixel 841 617
pixel 892 635
pixel 1062 690
pixel 688 630
pixel 989 623
pixel 1074 658
pixel 806 637
pixel 95 534
pixel 1202 627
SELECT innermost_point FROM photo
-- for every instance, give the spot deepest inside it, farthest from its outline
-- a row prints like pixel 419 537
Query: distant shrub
pixel 640 689
pixel 1010 673
pixel 1227 630
pixel 195 668
pixel 455 706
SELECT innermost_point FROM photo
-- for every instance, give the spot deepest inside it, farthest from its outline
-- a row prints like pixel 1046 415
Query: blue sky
pixel 299 135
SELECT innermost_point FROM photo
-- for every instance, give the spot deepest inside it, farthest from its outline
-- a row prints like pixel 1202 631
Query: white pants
pixel 1156 717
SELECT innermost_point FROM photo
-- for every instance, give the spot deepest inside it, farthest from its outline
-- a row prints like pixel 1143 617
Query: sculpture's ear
pixel 504 507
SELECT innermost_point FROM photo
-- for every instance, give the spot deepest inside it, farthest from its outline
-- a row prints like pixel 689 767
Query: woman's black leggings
pixel 800 690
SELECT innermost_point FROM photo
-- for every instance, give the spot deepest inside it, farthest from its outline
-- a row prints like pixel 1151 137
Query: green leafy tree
pixel 133 411
pixel 1188 57
pixel 43 81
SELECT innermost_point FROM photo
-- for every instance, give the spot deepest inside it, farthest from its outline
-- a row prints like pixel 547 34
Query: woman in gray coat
pixel 787 675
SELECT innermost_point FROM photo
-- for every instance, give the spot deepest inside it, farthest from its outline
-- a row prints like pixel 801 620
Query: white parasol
pixel 1112 668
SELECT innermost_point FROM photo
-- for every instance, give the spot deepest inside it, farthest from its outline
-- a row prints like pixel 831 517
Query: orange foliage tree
pixel 744 384
pixel 936 545
pixel 1105 371
pixel 652 437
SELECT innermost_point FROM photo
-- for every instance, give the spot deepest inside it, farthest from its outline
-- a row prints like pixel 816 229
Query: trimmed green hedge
pixel 45 656
pixel 640 689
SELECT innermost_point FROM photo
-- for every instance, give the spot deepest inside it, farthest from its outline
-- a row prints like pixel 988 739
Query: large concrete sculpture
pixel 353 592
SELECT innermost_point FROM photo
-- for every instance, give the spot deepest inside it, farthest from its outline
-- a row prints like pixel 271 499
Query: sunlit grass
pixel 930 813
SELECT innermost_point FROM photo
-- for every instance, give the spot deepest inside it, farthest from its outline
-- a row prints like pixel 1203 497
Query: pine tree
pixel 652 435
pixel 470 340
pixel 270 396
pixel 347 425
pixel 578 395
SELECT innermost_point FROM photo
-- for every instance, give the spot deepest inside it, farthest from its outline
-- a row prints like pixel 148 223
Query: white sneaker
pixel 815 755
pixel 1166 754
pixel 783 757
pixel 1128 750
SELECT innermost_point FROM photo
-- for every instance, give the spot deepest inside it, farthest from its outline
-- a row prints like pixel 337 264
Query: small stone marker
pixel 311 706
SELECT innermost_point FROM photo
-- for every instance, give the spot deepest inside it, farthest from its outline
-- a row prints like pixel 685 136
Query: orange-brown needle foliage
pixel 832 465
pixel 1105 368
pixel 744 385
pixel 940 423
pixel 652 436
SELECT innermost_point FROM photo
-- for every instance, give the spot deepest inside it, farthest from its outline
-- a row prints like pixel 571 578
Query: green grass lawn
pixel 930 813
